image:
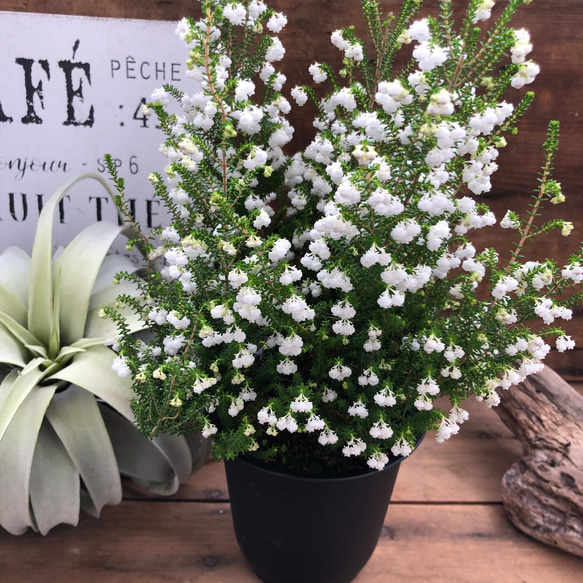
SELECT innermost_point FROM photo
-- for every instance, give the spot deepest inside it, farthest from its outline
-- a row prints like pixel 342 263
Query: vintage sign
pixel 72 90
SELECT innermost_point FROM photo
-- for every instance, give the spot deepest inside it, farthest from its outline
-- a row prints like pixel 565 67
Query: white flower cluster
pixel 351 50
pixel 341 284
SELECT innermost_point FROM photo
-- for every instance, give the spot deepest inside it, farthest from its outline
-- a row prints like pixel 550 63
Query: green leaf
pixel 13 391
pixel 34 364
pixel 143 460
pixel 17 446
pixel 106 328
pixel 92 371
pixel 38 351
pixel 111 266
pixel 12 306
pixel 15 272
pixel 40 306
pixel 54 483
pixel 75 417
pixel 11 351
pixel 107 295
pixel 79 265
pixel 177 453
pixel 84 343
pixel 18 331
pixel 55 339
pixel 66 354
pixel 6 386
pixel 159 465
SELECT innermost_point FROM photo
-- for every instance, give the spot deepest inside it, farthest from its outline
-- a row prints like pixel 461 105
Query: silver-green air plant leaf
pixel 66 427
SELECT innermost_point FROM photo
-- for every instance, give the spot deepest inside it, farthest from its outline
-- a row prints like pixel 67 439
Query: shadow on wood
pixel 542 492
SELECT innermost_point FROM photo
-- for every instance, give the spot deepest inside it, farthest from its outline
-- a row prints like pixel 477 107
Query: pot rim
pixel 308 478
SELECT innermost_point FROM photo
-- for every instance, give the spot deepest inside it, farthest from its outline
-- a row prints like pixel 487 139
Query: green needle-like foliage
pixel 310 310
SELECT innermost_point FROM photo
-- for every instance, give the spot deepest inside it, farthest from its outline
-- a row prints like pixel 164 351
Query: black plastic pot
pixel 293 529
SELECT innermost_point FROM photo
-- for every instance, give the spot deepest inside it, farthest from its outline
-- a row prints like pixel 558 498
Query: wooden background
pixel 555 27
pixel 446 523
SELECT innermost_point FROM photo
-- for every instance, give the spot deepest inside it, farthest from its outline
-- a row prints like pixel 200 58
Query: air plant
pixel 66 427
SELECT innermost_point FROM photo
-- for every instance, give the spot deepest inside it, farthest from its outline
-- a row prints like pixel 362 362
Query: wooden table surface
pixel 445 524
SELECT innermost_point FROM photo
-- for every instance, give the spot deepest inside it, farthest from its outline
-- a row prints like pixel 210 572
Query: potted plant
pixel 312 308
pixel 66 427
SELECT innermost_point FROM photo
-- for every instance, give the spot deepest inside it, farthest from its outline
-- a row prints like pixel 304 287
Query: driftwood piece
pixel 543 491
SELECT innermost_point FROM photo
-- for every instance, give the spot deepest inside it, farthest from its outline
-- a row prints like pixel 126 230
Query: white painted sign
pixel 71 90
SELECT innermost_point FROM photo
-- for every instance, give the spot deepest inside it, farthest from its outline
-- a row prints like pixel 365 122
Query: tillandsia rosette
pixel 311 309
pixel 66 427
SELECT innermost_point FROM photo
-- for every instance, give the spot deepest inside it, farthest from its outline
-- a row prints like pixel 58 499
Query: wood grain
pixel 446 524
pixel 543 491
pixel 150 542
pixel 568 364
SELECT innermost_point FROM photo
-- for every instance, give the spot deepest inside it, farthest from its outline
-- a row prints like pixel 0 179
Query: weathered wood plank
pixel 144 542
pixel 461 544
pixel 149 542
pixel 147 9
pixel 484 448
pixel 568 364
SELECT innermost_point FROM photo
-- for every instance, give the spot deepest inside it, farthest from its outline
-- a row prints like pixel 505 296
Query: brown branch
pixel 543 491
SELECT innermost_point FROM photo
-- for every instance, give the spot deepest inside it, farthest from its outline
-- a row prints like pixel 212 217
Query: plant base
pixel 294 529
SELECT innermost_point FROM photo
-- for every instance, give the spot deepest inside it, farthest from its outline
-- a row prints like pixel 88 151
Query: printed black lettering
pixel 139 114
pixel 115 66
pixel 162 71
pixel 20 165
pixel 32 90
pixel 130 64
pixel 62 209
pixel 3 117
pixel 99 205
pixel 150 214
pixel 76 94
pixel 142 70
pixel 12 206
